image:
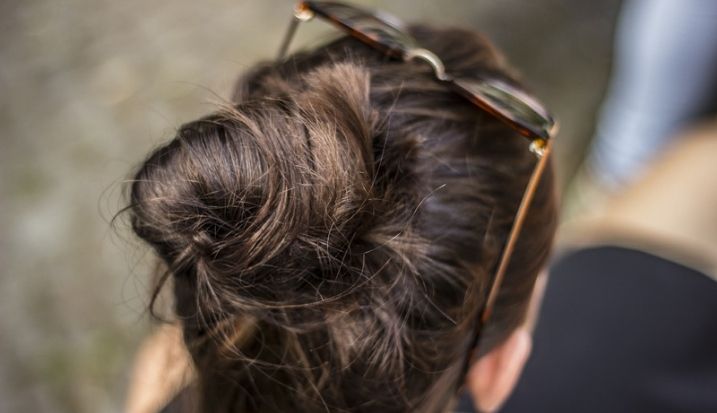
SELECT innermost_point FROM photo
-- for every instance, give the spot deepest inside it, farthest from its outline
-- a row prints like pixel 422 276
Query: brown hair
pixel 331 233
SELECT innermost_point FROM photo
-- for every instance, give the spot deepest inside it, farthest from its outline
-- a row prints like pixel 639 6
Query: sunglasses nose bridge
pixel 430 58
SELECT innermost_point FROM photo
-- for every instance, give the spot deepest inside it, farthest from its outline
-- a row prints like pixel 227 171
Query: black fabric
pixel 622 331
pixel 465 403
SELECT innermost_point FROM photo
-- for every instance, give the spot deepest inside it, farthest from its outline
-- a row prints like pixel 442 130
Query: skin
pixel 493 377
pixel 161 369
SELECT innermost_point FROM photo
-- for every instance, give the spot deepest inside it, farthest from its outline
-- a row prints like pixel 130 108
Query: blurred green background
pixel 90 86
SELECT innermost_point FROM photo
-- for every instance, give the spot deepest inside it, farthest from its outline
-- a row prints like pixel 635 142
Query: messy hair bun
pixel 257 197
pixel 331 231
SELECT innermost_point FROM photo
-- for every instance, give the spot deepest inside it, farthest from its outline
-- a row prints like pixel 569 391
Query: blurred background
pixel 90 86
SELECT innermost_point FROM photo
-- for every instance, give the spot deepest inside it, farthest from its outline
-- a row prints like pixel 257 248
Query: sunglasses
pixel 513 106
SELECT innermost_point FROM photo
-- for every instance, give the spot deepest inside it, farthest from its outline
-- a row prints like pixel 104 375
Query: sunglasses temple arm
pixel 520 216
pixel 515 231
pixel 293 25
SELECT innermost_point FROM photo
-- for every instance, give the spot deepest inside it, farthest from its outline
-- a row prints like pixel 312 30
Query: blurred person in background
pixel 336 234
pixel 663 81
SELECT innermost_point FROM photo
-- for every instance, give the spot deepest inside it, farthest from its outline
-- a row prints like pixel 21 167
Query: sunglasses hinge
pixel 303 13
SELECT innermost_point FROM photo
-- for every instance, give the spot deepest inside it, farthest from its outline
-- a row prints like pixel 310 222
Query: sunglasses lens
pixel 511 104
pixel 383 30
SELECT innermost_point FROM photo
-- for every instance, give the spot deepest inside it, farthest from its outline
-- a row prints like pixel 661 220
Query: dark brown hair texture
pixel 331 233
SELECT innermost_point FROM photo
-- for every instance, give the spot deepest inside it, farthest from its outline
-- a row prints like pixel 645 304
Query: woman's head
pixel 332 232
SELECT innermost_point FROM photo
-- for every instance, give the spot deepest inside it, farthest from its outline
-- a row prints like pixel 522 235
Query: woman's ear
pixel 492 378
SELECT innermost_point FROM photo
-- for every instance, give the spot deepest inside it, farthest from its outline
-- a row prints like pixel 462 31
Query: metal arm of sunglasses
pixel 304 14
pixel 542 149
pixel 300 15
pixel 517 225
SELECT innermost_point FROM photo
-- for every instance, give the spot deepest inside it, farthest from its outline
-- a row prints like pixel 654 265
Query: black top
pixel 622 331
